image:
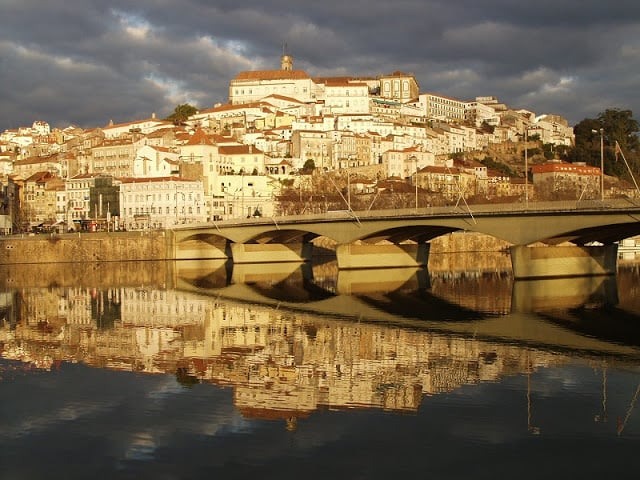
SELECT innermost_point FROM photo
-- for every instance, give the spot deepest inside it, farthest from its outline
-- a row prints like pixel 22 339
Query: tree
pixel 181 113
pixel 309 166
pixel 617 126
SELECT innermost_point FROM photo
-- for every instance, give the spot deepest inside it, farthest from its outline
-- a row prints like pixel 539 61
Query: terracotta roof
pixel 434 169
pixel 154 179
pixel 229 106
pixel 36 160
pixel 343 83
pixel 565 167
pixel 272 75
pixel 238 150
pixel 162 149
pixel 39 177
pixel 199 137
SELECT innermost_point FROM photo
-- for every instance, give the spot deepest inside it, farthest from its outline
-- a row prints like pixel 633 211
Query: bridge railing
pixel 458 209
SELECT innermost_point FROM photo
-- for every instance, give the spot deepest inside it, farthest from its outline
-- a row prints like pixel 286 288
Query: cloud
pixel 87 61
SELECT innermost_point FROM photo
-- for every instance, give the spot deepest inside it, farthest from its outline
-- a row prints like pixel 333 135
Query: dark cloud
pixel 87 61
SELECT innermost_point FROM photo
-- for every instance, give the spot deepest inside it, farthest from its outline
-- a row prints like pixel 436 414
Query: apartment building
pixel 557 176
pixel 115 157
pixel 39 199
pixel 345 97
pixel 150 203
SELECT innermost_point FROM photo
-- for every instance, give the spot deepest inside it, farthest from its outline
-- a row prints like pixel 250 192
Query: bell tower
pixel 286 61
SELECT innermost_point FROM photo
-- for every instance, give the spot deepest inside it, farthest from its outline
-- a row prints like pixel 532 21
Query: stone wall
pixel 85 247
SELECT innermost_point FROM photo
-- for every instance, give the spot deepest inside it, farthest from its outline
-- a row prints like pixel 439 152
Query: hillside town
pixel 288 143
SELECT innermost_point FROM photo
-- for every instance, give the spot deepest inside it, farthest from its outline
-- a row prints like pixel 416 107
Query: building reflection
pixel 286 363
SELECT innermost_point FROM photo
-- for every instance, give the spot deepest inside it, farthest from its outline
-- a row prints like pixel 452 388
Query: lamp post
pixel 184 201
pixel 602 164
pixel 526 167
pixel 601 131
pixel 415 181
pixel 348 183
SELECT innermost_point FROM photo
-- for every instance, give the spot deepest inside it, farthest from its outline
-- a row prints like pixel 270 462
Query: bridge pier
pixel 198 249
pixel 379 256
pixel 535 295
pixel 271 252
pixel 569 261
pixel 381 280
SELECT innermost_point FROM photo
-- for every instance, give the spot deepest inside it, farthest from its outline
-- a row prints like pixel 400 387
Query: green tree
pixel 617 126
pixel 181 113
pixel 309 166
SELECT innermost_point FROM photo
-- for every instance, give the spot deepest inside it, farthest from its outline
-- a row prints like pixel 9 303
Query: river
pixel 208 370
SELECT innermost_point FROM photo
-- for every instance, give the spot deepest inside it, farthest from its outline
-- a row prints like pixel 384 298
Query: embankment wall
pixel 86 247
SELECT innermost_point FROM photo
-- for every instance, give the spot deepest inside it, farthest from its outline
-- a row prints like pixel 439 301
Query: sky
pixel 87 62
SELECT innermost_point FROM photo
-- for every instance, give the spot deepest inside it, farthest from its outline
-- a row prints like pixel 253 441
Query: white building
pixel 251 86
pixel 78 194
pixel 144 127
pixel 161 202
pixel 404 163
pixel 245 196
pixel 345 97
pixel 155 162
pixel 553 129
pixel 41 128
pixel 440 107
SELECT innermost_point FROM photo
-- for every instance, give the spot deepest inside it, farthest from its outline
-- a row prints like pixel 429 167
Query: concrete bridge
pixel 588 232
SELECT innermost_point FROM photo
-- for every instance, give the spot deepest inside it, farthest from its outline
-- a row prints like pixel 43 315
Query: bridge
pixel 578 238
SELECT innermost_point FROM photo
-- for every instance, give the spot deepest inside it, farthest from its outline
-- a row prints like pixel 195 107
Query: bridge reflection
pixel 486 305
pixel 292 340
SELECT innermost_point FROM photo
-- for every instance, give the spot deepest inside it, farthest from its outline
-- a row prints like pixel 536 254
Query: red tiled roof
pixel 154 179
pixel 272 75
pixel 199 137
pixel 39 177
pixel 238 150
pixel 565 167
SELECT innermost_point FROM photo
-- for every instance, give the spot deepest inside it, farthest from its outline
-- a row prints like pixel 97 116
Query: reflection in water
pixel 283 339
pixel 213 350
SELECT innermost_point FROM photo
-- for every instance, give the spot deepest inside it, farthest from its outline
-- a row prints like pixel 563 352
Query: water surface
pixel 201 370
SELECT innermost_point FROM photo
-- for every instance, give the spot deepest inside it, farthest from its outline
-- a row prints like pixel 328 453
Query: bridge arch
pixel 287 239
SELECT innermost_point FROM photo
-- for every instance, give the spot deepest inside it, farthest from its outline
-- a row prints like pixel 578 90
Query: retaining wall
pixel 86 247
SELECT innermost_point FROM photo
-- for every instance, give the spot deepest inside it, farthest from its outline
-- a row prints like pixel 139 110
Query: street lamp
pixel 415 159
pixel 184 201
pixel 601 131
pixel 349 182
pixel 526 167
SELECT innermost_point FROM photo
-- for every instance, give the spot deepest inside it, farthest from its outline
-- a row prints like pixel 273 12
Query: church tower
pixel 286 61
